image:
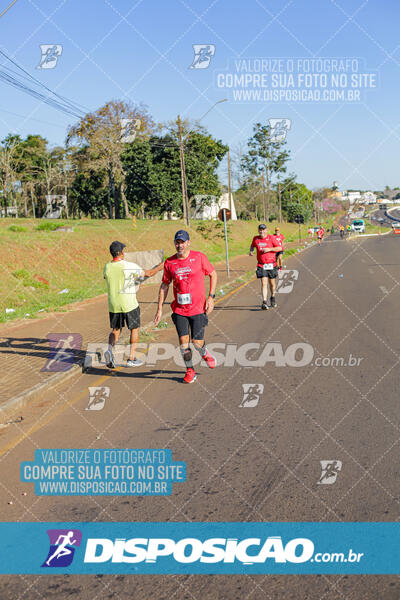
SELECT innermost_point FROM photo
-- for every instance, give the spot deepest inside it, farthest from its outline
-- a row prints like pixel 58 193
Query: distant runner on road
pixel 320 234
pixel 267 246
pixel 342 232
pixel 279 255
pixel 186 269
pixel 122 278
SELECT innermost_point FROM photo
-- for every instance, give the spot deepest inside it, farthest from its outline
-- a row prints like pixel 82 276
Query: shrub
pixel 27 279
pixel 17 228
pixel 49 226
pixel 211 230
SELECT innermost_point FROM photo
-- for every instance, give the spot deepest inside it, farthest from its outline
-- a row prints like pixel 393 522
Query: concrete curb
pixel 16 403
pixel 12 405
pixel 365 235
pixel 388 211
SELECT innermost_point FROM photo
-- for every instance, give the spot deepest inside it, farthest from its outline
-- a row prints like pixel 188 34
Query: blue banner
pixel 205 548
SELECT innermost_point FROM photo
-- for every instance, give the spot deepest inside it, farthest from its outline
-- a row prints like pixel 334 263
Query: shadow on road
pixel 153 374
pixel 248 308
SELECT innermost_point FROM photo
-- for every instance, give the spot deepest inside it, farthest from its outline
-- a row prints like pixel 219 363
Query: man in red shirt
pixel 186 269
pixel 279 255
pixel 267 246
pixel 320 234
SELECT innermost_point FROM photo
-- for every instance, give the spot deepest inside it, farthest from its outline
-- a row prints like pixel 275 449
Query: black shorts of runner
pixel 270 273
pixel 279 253
pixel 196 324
pixel 130 319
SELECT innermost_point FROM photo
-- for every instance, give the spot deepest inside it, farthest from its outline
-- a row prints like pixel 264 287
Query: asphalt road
pixel 258 463
pixel 381 214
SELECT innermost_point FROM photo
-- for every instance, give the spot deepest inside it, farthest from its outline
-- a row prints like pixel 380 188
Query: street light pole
pixel 185 199
pixel 210 109
pixel 229 183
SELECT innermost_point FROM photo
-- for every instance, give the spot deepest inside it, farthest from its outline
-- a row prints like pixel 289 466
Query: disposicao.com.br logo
pixel 200 547
pixel 248 551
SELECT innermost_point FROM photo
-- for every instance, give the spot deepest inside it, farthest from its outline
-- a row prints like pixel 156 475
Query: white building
pixel 369 198
pixel 353 197
pixel 208 207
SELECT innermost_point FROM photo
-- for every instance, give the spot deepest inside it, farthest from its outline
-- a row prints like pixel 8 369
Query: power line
pixel 73 105
pixel 7 78
pixel 8 8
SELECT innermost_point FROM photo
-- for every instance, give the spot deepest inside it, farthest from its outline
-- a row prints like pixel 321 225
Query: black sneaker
pixel 264 305
pixel 273 302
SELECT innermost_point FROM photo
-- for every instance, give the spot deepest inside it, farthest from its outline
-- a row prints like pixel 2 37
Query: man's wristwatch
pixel 211 296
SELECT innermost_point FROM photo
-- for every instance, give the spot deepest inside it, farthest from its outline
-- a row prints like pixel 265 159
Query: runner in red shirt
pixel 190 307
pixel 267 246
pixel 320 234
pixel 279 255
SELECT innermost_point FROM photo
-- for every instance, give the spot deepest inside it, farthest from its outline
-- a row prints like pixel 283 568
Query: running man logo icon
pixel 202 56
pixel 63 543
pixel 97 397
pixel 286 279
pixel 132 280
pixel 50 55
pixel 251 394
pixel 63 349
pixel 329 471
pixel 279 129
pixel 129 129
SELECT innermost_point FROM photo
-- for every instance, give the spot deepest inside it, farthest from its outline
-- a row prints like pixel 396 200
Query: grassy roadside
pixel 44 270
pixel 369 228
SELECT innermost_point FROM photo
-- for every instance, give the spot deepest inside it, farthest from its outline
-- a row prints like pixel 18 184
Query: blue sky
pixel 142 50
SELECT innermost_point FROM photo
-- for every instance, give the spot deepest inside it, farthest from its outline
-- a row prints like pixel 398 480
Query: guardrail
pixel 390 216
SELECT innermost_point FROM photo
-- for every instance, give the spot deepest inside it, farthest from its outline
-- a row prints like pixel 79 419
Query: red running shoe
pixel 190 376
pixel 210 360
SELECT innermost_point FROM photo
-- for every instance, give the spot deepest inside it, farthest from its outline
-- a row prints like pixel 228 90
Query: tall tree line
pixel 116 162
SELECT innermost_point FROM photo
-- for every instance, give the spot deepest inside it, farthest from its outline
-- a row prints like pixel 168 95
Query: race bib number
pixel 184 298
pixel 268 266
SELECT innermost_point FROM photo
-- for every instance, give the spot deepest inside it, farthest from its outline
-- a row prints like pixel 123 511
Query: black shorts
pixel 130 319
pixel 279 253
pixel 271 273
pixel 196 323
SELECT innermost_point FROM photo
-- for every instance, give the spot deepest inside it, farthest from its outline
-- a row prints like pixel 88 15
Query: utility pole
pixel 65 188
pixel 183 174
pixel 280 202
pixel 226 241
pixel 264 201
pixel 185 199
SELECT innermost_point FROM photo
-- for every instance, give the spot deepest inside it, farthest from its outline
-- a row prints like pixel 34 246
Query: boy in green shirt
pixel 123 278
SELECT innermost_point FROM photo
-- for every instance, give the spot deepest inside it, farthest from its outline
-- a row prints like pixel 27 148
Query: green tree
pixel 295 194
pixel 296 208
pixel 8 168
pixel 153 172
pixel 88 193
pixel 103 134
pixel 137 164
pixel 266 158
